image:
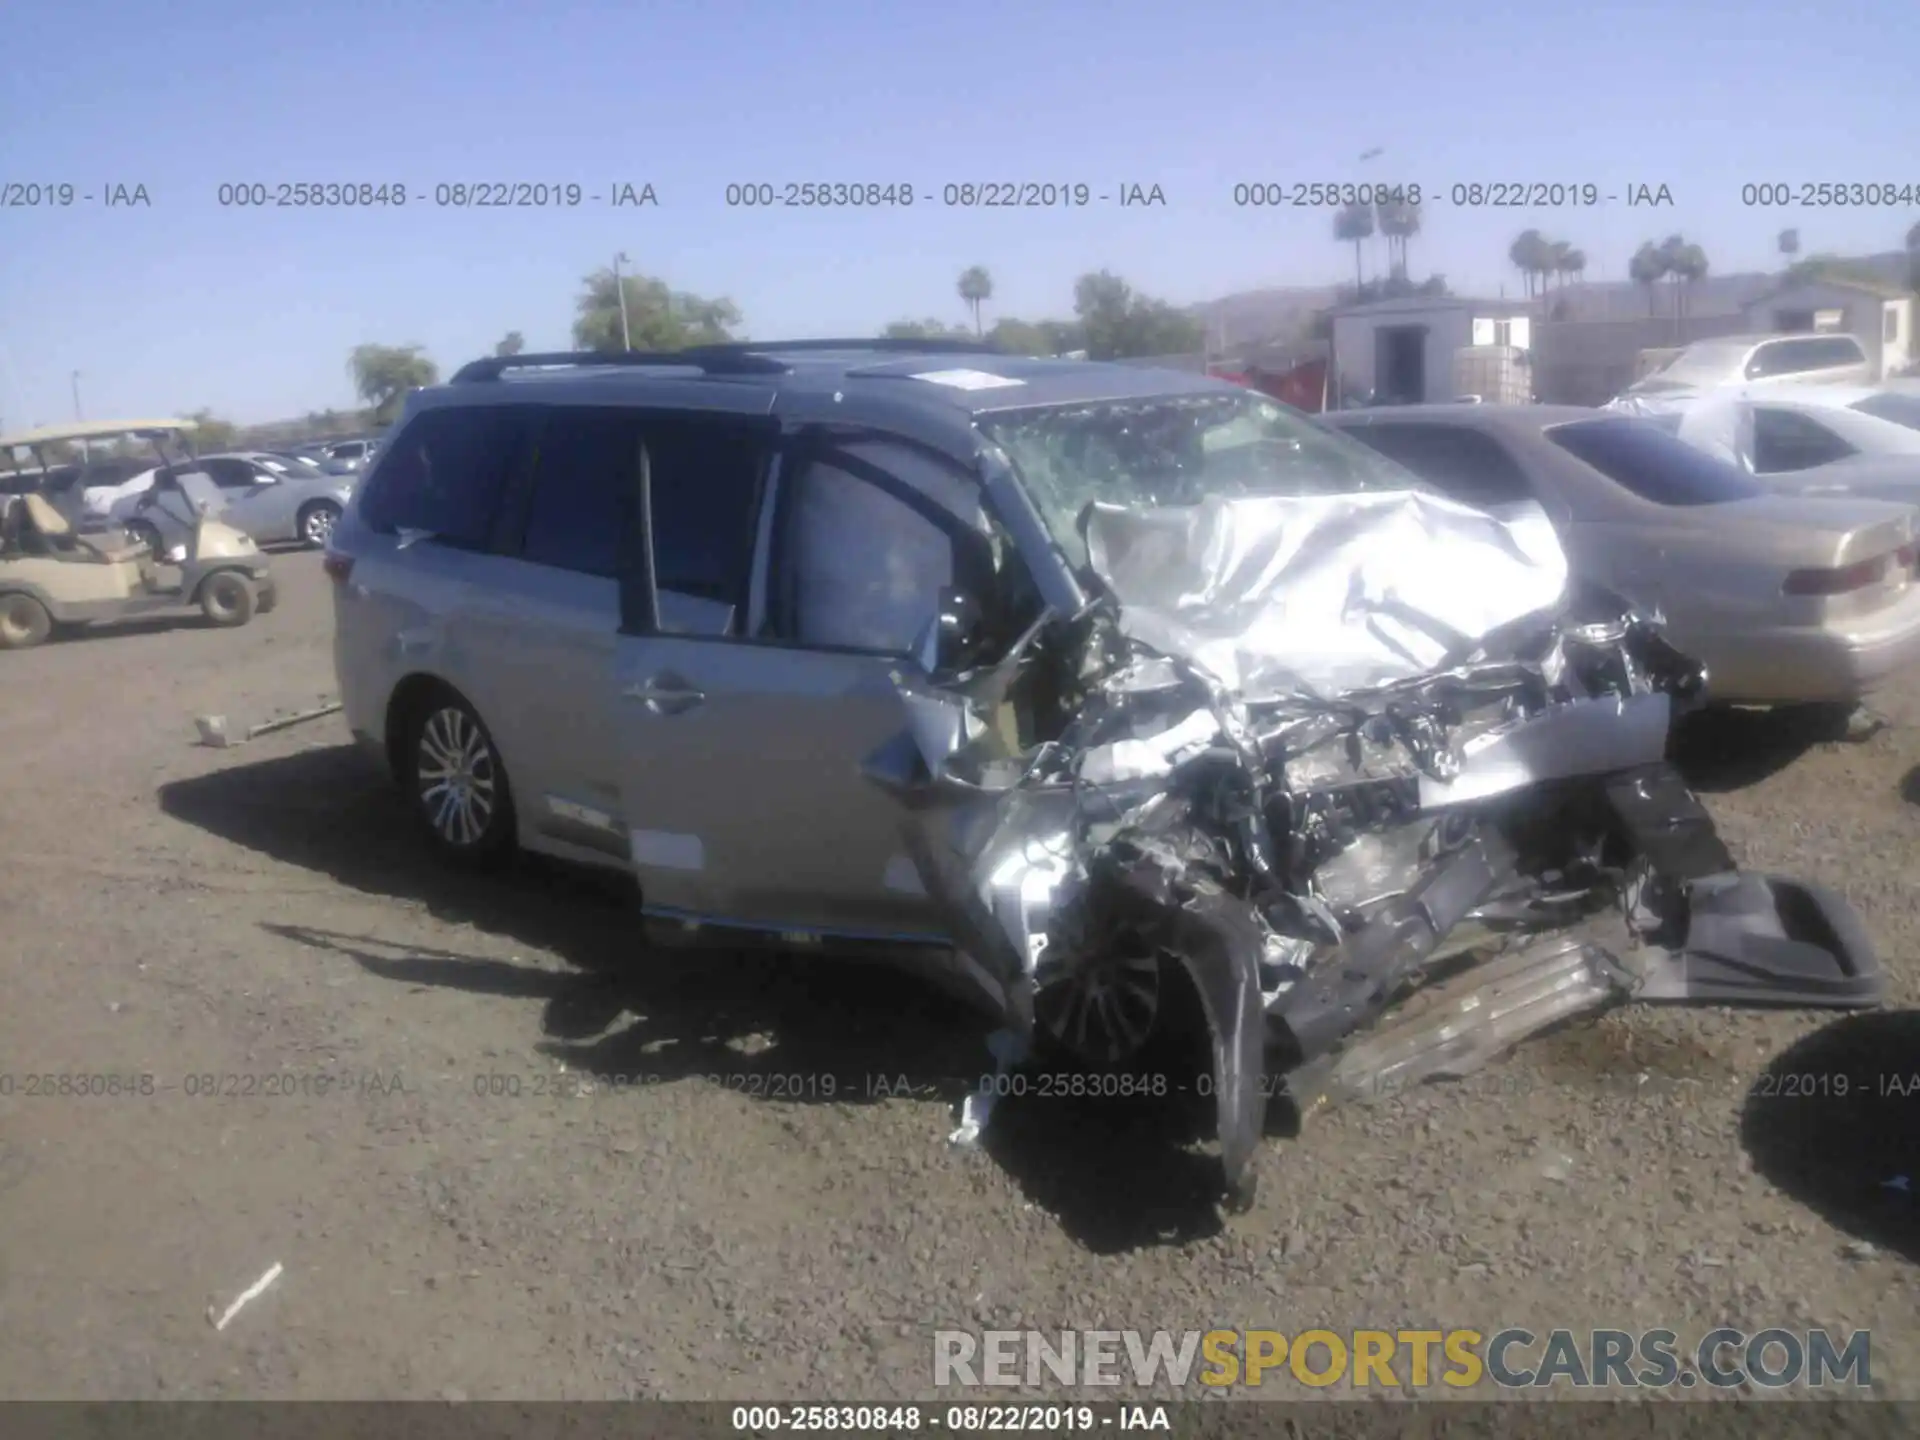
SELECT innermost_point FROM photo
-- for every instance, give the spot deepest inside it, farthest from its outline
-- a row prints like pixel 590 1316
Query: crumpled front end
pixel 1388 791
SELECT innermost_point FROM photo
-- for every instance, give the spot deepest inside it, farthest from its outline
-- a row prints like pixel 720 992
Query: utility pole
pixel 620 288
pixel 86 451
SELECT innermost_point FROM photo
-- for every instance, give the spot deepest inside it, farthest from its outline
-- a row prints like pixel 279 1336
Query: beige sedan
pixel 1785 598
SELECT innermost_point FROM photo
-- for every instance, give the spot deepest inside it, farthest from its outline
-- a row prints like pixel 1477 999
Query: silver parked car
pixel 1065 681
pixel 266 497
pixel 1786 597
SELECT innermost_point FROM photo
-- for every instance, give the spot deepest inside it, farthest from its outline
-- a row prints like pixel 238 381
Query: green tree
pixel 659 317
pixel 1686 266
pixel 1116 322
pixel 210 436
pixel 976 288
pixel 1399 222
pixel 512 343
pixel 1528 255
pixel 925 330
pixel 1353 224
pixel 1025 337
pixel 1648 268
pixel 383 374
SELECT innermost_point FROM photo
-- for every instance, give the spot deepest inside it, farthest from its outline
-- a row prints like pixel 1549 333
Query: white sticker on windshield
pixel 967 379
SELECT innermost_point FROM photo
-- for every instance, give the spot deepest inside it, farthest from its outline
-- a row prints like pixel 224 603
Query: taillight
pixel 337 566
pixel 1850 578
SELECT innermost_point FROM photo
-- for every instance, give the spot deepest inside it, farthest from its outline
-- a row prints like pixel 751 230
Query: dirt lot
pixel 257 921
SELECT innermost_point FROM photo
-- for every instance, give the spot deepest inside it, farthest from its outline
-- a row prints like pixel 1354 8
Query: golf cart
pixel 52 575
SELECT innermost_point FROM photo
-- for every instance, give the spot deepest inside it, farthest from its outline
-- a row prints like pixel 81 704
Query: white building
pixel 1880 316
pixel 1403 350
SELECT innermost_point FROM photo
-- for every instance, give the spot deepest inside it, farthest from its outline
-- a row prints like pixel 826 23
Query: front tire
pixel 316 523
pixel 24 622
pixel 456 785
pixel 227 599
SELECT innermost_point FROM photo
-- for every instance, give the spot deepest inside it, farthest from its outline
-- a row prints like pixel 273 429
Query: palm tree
pixel 1399 222
pixel 1354 224
pixel 1788 244
pixel 1648 267
pixel 1693 269
pixel 1573 261
pixel 1525 252
pixel 976 288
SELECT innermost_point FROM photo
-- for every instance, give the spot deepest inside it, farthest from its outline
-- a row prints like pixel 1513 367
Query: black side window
pixel 862 563
pixel 586 462
pixel 1462 464
pixel 1645 460
pixel 444 474
pixel 228 474
pixel 703 479
pixel 1784 441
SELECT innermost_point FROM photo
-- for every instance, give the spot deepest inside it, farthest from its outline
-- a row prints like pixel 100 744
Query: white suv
pixel 1758 360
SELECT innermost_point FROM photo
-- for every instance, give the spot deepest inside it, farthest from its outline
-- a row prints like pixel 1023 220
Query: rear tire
pixel 24 622
pixel 227 599
pixel 316 523
pixel 456 786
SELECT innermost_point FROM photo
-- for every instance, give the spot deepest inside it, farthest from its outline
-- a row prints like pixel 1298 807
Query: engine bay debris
pixel 1368 770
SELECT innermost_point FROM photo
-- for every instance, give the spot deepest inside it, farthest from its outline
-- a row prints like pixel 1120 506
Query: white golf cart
pixel 53 576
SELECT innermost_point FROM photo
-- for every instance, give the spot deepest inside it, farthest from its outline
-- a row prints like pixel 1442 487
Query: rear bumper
pixel 1844 663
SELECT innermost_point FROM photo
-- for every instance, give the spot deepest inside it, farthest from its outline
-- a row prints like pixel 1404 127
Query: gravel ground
pixel 466 1205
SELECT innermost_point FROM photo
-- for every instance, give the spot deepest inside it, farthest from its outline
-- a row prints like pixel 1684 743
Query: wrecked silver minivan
pixel 1210 695
pixel 1360 761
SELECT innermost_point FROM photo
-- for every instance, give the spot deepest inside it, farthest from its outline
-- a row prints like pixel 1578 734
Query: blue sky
pixel 185 304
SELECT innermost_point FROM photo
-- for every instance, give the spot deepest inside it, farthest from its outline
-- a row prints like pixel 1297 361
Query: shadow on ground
pixel 1910 786
pixel 1835 1123
pixel 1119 1171
pixel 1729 749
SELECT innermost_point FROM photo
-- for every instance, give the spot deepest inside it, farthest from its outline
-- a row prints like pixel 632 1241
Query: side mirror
pixel 948 642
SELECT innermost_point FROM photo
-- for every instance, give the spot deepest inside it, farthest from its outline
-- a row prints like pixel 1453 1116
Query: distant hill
pixel 1251 316
pixel 1283 313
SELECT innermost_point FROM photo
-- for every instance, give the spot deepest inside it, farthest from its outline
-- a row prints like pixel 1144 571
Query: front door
pixel 742 748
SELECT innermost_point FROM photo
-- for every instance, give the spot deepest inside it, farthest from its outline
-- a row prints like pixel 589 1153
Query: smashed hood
pixel 1322 594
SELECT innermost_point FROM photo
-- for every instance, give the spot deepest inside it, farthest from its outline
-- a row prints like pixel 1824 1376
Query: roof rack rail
pixel 886 345
pixel 492 367
pixel 738 357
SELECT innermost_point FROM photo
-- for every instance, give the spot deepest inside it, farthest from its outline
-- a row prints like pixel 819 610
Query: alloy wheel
pixel 1104 1012
pixel 316 524
pixel 456 778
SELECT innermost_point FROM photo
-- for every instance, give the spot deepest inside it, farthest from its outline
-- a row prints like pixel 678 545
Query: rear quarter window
pixel 444 474
pixel 1644 460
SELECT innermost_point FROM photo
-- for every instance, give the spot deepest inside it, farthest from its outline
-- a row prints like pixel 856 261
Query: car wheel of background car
pixel 24 622
pixel 317 521
pixel 141 533
pixel 1103 1014
pixel 457 785
pixel 227 599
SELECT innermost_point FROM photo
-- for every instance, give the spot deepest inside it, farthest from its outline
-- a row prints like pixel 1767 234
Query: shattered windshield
pixel 1178 450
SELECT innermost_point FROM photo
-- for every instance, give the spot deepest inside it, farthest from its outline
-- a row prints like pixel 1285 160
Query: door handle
pixel 665 695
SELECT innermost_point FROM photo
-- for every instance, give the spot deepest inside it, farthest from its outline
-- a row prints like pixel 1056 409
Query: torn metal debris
pixel 1364 767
